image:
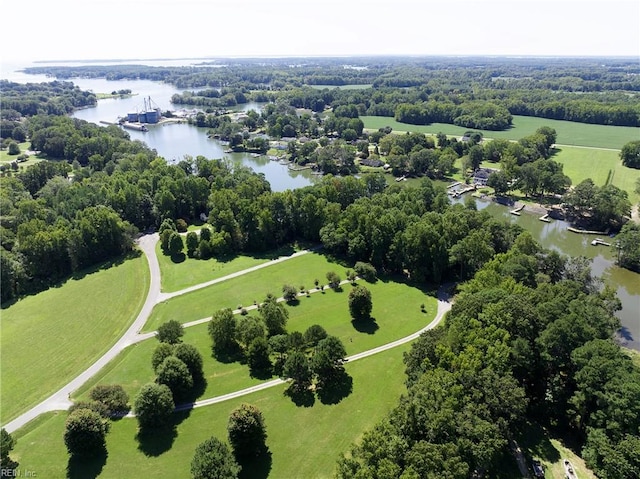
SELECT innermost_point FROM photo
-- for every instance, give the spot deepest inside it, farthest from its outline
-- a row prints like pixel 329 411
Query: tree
pixel 248 329
pixel 360 303
pixel 258 357
pixel 630 154
pixel 247 431
pixel 334 279
pixel 214 460
pixel 192 243
pixel 222 329
pixel 365 271
pixel 14 148
pixel 85 432
pixel 170 332
pixel 296 367
pixel 175 245
pixel 113 396
pixel 274 315
pixel 191 357
pixel 162 352
pixel 628 244
pixel 153 405
pixel 314 334
pixel 289 293
pixel 6 445
pixel 175 374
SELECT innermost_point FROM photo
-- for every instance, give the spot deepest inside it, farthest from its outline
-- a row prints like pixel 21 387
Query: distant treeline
pixel 599 91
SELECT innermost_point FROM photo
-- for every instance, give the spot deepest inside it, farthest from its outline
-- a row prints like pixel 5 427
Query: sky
pixel 151 29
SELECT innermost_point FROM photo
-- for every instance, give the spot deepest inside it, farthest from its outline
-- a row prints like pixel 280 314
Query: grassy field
pixel 303 441
pixel 301 271
pixel 188 271
pixel 5 157
pixel 551 451
pixel 48 338
pixel 132 368
pixel 569 133
pixel 582 163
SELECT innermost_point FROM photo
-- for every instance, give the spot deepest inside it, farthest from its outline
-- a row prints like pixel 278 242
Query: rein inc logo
pixel 5 472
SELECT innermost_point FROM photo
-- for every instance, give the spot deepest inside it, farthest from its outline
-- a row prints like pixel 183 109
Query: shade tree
pixel 170 332
pixel 214 460
pixel 247 431
pixel 85 433
pixel 153 406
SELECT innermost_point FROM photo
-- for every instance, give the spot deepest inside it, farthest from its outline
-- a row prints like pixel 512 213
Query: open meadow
pixel 569 133
pixel 49 338
pixel 244 290
pixel 303 441
pixel 132 368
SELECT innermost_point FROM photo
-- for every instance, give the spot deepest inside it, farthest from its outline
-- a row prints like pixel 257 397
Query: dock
pixel 453 185
pixel 598 241
pixel 545 218
pixel 458 193
pixel 587 232
pixel 516 211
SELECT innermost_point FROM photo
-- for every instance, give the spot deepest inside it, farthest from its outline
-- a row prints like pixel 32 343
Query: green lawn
pixel 132 368
pixel 49 338
pixel 244 290
pixel 303 441
pixel 188 272
pixel 569 133
pixel 5 157
pixel 551 452
pixel 582 163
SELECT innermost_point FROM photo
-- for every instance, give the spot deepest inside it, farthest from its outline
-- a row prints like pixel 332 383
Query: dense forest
pixel 471 92
pixel 528 341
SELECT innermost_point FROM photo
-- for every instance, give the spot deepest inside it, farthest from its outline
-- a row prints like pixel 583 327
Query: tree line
pixel 599 91
pixel 528 341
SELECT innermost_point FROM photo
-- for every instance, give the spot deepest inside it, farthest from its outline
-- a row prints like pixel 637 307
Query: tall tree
pixel 247 431
pixel 214 460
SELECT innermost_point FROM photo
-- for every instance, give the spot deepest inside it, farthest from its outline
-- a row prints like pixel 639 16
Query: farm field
pixel 244 290
pixel 582 163
pixel 303 441
pixel 49 338
pixel 569 133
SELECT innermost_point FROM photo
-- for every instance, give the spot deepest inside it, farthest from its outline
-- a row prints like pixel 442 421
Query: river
pixel 173 141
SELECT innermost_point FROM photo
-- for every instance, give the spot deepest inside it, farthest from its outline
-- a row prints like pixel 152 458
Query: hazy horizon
pixel 127 30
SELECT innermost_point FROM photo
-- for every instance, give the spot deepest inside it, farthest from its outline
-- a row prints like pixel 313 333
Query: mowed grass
pixel 5 157
pixel 49 338
pixel 132 368
pixel 244 290
pixel 569 132
pixel 303 441
pixel 179 275
pixel 551 451
pixel 582 163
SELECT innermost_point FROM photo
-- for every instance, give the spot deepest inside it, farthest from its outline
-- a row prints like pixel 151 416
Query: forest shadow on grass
pixel 178 257
pixel 337 389
pixel 86 467
pixel 227 355
pixel 300 397
pixel 369 326
pixel 535 441
pixel 153 442
pixel 257 467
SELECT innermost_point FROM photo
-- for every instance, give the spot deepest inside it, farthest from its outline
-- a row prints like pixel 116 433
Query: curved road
pixel 60 399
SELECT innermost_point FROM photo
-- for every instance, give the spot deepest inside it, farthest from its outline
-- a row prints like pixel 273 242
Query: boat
pixel 134 126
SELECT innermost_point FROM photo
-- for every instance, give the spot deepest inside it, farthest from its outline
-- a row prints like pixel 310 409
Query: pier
pixel 545 218
pixel 598 241
pixel 587 232
pixel 516 211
